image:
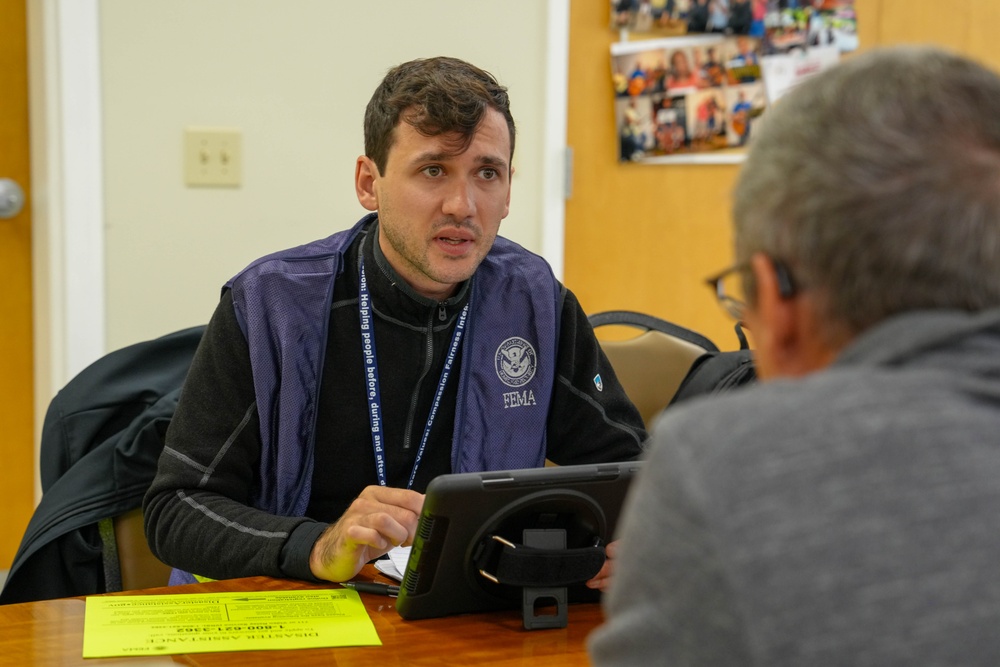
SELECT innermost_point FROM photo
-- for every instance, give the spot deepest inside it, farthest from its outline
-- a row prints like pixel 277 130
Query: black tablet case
pixel 461 511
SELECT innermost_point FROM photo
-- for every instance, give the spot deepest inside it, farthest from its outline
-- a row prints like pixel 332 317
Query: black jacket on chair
pixel 101 439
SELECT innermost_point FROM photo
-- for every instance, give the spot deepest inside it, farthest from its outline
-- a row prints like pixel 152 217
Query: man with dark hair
pixel 845 511
pixel 336 379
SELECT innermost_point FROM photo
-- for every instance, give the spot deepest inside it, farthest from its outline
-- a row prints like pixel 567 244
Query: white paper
pixel 395 565
pixel 784 72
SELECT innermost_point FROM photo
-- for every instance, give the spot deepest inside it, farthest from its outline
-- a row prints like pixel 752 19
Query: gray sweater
pixel 848 518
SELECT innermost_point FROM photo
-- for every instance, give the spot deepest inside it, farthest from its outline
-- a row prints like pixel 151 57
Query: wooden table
pixel 50 632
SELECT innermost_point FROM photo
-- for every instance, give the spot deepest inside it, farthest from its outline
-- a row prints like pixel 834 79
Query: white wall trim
pixel 83 182
pixel 67 193
pixel 554 187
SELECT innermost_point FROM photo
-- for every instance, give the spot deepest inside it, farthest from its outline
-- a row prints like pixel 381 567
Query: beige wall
pixel 294 76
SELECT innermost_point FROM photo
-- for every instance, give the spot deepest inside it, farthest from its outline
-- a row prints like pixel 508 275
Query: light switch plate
pixel 213 157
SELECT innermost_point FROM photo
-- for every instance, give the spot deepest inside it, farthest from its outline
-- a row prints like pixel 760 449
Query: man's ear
pixel 775 311
pixel 365 178
pixel 768 319
pixel 790 337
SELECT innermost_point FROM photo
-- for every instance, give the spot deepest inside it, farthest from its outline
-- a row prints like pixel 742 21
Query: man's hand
pixel 378 520
pixel 602 579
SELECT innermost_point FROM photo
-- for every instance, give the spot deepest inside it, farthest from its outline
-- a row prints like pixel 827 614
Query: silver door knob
pixel 11 198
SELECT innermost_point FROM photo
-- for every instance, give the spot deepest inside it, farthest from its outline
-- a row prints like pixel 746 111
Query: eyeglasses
pixel 727 283
pixel 733 281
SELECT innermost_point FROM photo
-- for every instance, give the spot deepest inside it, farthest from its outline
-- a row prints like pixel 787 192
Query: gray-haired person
pixel 847 510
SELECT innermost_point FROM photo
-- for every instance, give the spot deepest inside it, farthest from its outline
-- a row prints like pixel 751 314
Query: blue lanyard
pixel 373 387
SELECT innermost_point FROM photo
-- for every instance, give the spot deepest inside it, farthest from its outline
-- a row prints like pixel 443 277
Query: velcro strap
pixel 517 565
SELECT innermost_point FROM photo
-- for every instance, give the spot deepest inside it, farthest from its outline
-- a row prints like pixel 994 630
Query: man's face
pixel 439 211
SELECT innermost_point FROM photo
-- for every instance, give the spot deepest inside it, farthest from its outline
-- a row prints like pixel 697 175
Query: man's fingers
pixel 602 579
pixel 393 497
pixel 379 531
pixel 375 502
pixel 377 520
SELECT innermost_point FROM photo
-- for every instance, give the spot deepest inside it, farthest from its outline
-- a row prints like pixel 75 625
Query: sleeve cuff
pixel 298 547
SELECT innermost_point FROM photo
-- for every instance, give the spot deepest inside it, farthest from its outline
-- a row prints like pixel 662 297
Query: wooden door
pixel 638 236
pixel 16 384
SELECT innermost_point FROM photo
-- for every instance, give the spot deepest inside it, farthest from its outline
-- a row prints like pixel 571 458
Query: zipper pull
pixel 442 313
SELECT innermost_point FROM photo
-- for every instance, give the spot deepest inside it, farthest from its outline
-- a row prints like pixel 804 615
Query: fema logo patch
pixel 516 362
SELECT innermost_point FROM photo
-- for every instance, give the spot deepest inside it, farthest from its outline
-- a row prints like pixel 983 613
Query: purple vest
pixel 505 382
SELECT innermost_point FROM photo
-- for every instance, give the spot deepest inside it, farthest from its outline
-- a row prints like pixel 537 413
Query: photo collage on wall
pixel 686 94
pixel 701 87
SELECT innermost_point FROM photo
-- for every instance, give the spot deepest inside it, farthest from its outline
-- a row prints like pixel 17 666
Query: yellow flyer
pixel 215 622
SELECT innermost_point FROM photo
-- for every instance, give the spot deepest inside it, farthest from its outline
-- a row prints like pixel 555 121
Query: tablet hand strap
pixel 504 562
